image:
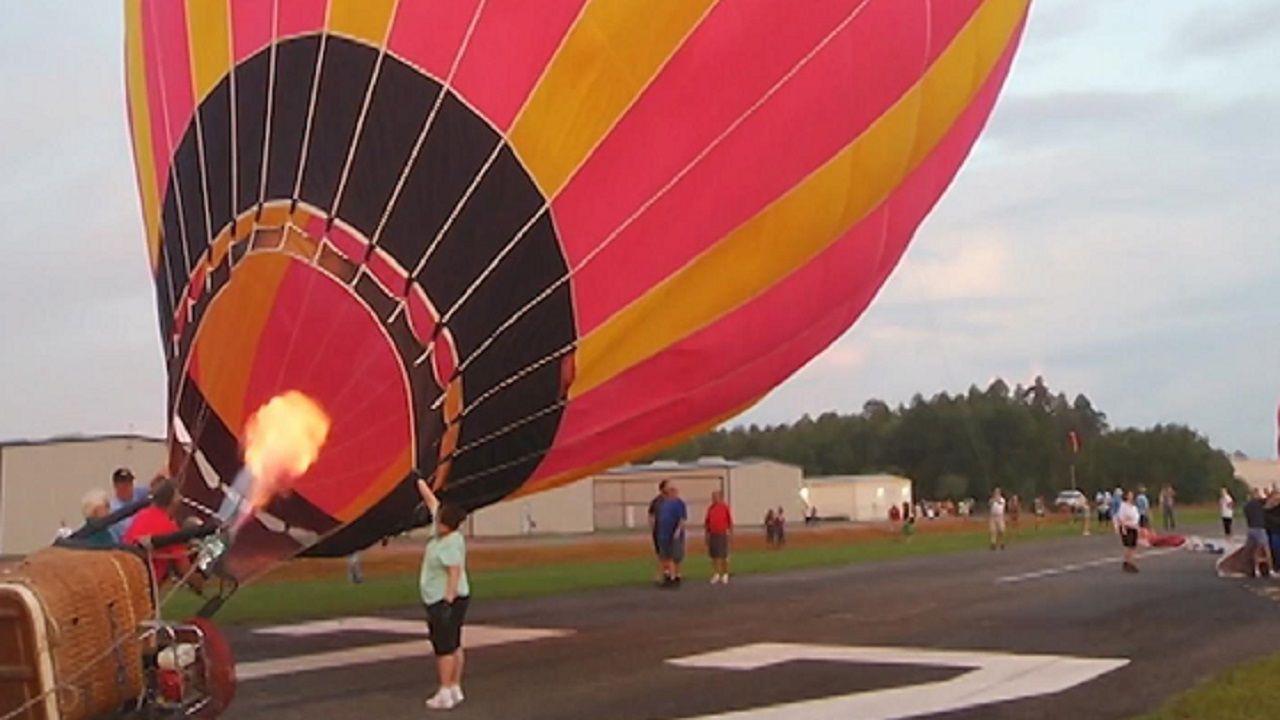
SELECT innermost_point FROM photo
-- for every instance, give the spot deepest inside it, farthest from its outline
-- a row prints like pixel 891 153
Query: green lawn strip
pixel 298 600
pixel 1244 692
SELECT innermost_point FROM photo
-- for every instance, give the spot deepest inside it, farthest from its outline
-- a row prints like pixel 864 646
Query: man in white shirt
pixel 996 520
pixel 1127 520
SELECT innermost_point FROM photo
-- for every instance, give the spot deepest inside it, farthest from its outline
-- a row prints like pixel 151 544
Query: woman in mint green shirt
pixel 445 592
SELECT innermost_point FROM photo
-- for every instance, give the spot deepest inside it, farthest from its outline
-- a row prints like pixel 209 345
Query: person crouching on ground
pixel 671 519
pixel 1127 520
pixel 446 594
pixel 719 526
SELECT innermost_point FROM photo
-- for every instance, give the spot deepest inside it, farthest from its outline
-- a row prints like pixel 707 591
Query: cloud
pixel 1227 28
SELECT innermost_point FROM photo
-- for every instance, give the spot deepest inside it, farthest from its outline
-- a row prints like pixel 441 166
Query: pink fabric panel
pixel 172 58
pixel 846 86
pixel 511 45
pixel 300 17
pixel 320 341
pixel 161 150
pixel 250 26
pixel 756 347
pixel 429 33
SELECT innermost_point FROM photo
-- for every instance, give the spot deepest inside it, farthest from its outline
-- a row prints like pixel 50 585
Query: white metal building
pixel 752 487
pixel 43 481
pixel 566 509
pixel 856 497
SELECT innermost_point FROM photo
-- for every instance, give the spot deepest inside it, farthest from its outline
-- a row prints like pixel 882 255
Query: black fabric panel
pixel 456 147
pixel 377 301
pixel 215 128
pixel 344 80
pixel 174 252
pixel 533 265
pixel 164 300
pixel 186 164
pixel 251 119
pixel 295 66
pixel 401 101
pixel 501 204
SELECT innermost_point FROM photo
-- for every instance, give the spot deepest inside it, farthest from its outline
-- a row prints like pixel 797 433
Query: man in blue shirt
pixel 669 531
pixel 1144 507
pixel 123 492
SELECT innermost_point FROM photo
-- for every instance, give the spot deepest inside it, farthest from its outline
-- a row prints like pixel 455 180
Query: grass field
pixel 1245 692
pixel 295 599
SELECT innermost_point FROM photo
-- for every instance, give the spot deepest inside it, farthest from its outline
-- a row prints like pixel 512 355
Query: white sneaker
pixel 724 579
pixel 442 700
pixel 458 697
pixel 715 579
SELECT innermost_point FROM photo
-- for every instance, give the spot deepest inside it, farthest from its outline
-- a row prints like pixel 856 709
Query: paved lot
pixel 1119 645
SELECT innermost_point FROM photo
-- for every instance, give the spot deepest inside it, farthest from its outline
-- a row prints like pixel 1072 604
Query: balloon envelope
pixel 503 244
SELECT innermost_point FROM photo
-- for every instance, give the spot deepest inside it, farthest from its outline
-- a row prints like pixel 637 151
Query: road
pixel 805 644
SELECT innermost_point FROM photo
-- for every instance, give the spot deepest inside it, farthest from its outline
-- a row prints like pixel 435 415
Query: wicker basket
pixel 69 624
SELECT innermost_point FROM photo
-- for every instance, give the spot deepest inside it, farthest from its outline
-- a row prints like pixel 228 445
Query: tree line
pixel 960 446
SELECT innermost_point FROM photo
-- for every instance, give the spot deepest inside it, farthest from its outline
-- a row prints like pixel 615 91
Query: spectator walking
pixel 1257 545
pixel 1167 496
pixel 995 520
pixel 1273 526
pixel 1014 510
pixel 672 516
pixel 1143 503
pixel 719 527
pixel 1226 510
pixel 1127 521
pixel 780 527
pixel 655 506
pixel 770 528
pixel 446 593
pixel 1039 509
pixel 355 571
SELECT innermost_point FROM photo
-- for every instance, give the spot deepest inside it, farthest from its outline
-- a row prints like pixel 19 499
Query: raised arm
pixel 428 497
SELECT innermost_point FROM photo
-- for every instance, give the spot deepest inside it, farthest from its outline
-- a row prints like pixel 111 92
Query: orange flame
pixel 282 440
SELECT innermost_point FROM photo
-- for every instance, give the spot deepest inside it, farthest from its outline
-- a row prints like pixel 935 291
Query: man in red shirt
pixel 719 525
pixel 157 519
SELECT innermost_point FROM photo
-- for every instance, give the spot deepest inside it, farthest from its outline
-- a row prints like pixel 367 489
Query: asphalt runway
pixel 1045 630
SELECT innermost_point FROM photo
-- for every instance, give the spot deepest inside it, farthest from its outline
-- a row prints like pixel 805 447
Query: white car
pixel 1072 500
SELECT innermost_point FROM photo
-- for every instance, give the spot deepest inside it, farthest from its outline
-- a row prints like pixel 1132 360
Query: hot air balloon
pixel 502 244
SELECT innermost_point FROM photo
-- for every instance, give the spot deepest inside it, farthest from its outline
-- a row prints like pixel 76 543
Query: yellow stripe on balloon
pixel 209 35
pixel 365 20
pixel 140 124
pixel 811 216
pixel 227 342
pixel 608 58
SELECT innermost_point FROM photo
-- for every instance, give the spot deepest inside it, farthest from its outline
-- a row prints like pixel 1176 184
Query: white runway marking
pixel 476 636
pixel 389 626
pixel 1064 569
pixel 993 678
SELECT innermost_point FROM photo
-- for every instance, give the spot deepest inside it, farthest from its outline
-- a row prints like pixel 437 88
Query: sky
pixel 1113 230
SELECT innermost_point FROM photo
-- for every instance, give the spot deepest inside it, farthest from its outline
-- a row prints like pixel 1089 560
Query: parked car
pixel 1071 501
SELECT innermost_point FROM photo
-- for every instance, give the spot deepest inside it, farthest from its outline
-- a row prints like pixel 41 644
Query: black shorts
pixel 445 622
pixel 1129 537
pixel 718 545
pixel 1144 521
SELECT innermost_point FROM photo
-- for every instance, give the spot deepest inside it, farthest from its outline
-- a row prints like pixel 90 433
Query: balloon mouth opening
pixel 282 440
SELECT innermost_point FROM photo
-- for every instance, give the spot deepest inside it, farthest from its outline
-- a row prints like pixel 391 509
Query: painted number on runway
pixel 991 678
